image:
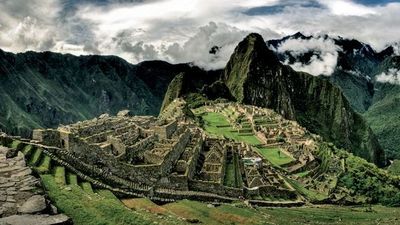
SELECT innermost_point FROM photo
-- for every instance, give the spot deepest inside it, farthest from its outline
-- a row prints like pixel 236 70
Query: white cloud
pixel 180 30
pixel 348 8
pixel 396 48
pixel 28 26
pixel 322 63
pixel 392 76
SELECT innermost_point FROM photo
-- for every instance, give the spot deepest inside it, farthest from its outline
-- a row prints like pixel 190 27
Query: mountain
pixel 356 71
pixel 384 113
pixel 255 76
pixel 47 89
pixel 356 62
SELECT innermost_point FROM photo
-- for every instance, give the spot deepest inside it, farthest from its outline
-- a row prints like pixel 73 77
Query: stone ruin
pixel 164 160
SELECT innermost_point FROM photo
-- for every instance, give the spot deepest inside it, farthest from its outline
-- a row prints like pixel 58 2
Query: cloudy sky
pixel 185 30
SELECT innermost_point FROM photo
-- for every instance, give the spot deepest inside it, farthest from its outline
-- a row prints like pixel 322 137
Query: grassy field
pixel 239 214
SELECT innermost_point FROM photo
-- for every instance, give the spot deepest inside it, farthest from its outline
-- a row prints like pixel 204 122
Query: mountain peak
pixel 250 56
pixel 251 42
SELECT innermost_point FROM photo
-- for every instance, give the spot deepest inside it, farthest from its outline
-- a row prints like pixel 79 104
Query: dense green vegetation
pixel 384 118
pixel 47 89
pixel 365 179
pixel 394 168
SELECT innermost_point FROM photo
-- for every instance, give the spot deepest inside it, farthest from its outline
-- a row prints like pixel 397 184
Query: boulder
pixel 44 219
pixel 34 204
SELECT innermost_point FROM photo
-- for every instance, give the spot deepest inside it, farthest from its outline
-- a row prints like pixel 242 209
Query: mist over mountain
pixel 368 78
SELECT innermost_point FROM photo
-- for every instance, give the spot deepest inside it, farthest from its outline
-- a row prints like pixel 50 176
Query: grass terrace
pixel 217 125
pixel 275 156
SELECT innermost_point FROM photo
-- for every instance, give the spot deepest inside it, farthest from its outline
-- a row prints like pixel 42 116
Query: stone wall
pixel 166 131
pixel 137 150
pixel 118 148
pixel 277 192
pixel 216 188
pixel 191 164
pixel 47 137
pixel 175 152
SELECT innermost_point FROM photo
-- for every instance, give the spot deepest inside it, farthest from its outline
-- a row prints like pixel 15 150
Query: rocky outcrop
pixel 255 76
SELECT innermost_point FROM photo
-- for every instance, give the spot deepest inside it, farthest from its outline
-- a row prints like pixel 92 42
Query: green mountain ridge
pixel 358 66
pixel 384 114
pixel 47 89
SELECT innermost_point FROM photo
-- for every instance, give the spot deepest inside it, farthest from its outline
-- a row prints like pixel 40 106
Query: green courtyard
pixel 217 125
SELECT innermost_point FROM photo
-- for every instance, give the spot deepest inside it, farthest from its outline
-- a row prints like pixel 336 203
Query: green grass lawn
pixel 318 215
pixel 216 123
pixel 225 214
pixel 45 165
pixel 272 155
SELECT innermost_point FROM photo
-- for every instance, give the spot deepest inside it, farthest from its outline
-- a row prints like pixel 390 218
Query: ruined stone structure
pixel 164 160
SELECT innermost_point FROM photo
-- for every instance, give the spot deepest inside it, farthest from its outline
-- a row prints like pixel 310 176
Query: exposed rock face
pixel 255 76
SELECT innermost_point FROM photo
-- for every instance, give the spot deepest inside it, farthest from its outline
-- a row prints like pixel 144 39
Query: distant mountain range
pixel 48 89
pixel 356 73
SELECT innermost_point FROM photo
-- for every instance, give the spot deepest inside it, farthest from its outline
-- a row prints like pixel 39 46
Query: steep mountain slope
pixel 47 89
pixel 356 72
pixel 255 76
pixel 356 62
pixel 384 114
